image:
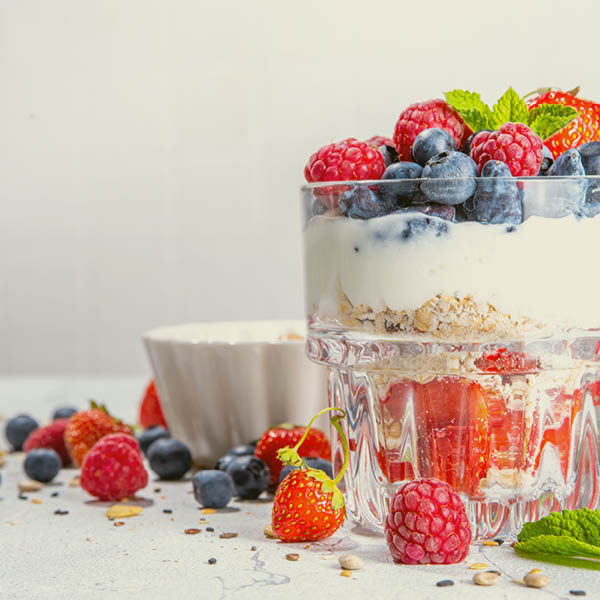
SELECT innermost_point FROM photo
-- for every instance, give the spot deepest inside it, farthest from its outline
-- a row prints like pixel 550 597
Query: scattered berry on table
pixel 85 428
pixel 360 202
pixel 403 192
pixel 316 445
pixel 63 412
pixel 547 160
pixel 347 160
pixel 150 409
pixel 448 178
pixel 50 436
pixel 427 523
pixel 514 143
pixel 250 476
pixel 42 464
pixel 568 163
pixel 425 115
pixel 18 429
pixel 114 468
pixel 430 143
pixel 497 199
pixel 313 463
pixel 169 458
pixel 223 462
pixel 150 435
pixel 213 489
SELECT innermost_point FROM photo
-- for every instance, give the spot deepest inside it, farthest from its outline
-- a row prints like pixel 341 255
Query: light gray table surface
pixel 83 555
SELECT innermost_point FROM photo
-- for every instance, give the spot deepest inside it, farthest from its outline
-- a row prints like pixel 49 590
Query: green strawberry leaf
pixel 328 487
pixel 472 109
pixel 289 456
pixel 547 119
pixel 510 107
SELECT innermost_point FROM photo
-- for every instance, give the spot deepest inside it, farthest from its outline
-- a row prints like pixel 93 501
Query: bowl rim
pixel 169 333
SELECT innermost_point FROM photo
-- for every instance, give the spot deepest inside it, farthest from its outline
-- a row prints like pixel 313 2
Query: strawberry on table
pixel 151 413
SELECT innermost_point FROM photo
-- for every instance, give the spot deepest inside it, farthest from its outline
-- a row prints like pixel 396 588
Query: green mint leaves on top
pixel 564 537
pixel 544 120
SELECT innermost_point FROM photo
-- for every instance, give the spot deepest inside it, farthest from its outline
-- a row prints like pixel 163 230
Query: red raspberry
pixel 425 115
pixel 50 436
pixel 514 143
pixel 379 140
pixel 114 468
pixel 348 160
pixel 151 413
pixel 427 524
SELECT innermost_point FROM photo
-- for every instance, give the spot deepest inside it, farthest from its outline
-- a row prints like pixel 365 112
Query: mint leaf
pixel 547 119
pixel 559 544
pixel 557 559
pixel 510 107
pixel 582 524
pixel 473 110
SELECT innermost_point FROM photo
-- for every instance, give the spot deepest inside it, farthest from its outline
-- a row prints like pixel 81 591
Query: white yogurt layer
pixel 543 269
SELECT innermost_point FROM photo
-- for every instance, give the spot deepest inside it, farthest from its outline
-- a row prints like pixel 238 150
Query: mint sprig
pixel 545 120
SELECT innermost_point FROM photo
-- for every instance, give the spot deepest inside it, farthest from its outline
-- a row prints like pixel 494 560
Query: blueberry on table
pixel 430 143
pixel 448 178
pixel 63 412
pixel 497 198
pixel 213 489
pixel 42 464
pixel 150 435
pixel 361 203
pixel 250 476
pixel 169 458
pixel 313 463
pixel 243 450
pixel 223 462
pixel 18 429
pixel 404 192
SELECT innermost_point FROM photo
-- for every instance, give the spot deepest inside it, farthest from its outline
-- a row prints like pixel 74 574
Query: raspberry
pixel 379 140
pixel 114 468
pixel 50 436
pixel 514 144
pixel 427 523
pixel 425 115
pixel 348 160
pixel 151 413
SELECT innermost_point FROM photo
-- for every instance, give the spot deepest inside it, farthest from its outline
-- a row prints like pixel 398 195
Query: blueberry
pixel 409 228
pixel 590 157
pixel 314 463
pixel 430 143
pixel 361 203
pixel 169 458
pixel 404 192
pixel 42 464
pixel 318 208
pixel 466 148
pixel 64 412
pixel 213 489
pixel 389 153
pixel 150 435
pixel 449 178
pixel 250 476
pixel 547 161
pixel 497 198
pixel 442 211
pixel 567 164
pixel 242 450
pixel 223 462
pixel 18 428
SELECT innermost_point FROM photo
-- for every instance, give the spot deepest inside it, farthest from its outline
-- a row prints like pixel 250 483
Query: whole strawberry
pixel 425 115
pixel 85 428
pixel 114 468
pixel 308 505
pixel 50 436
pixel 151 413
pixel 427 523
pixel 585 127
pixel 315 445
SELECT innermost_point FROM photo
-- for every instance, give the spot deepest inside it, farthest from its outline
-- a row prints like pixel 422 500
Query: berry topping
pixel 150 409
pixel 431 142
pixel 348 160
pixel 42 464
pixel 50 436
pixel 590 157
pixel 18 429
pixel 250 476
pixel 169 458
pixel 114 468
pixel 514 143
pixel 148 436
pixel 379 140
pixel 427 523
pixel 213 489
pixel 403 192
pixel 425 115
pixel 361 203
pixel 547 160
pixel 448 178
pixel 567 164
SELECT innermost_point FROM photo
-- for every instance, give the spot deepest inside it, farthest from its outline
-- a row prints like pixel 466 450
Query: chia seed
pixel 445 583
pixel 210 529
pixel 59 511
pixel 54 494
pixel 212 561
pixel 577 593
pixel 167 511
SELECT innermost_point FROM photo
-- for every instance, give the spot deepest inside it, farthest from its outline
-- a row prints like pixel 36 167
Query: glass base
pixel 512 427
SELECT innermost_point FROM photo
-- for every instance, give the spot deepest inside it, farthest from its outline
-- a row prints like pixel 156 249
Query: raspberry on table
pixel 425 115
pixel 114 468
pixel 50 436
pixel 514 144
pixel 427 523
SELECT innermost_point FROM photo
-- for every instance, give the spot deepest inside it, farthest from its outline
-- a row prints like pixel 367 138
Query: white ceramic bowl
pixel 224 383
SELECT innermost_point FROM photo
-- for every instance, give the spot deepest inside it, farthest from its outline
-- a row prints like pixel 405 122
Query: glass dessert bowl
pixel 460 349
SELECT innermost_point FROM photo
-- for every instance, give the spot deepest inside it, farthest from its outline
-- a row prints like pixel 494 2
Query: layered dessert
pixel 449 290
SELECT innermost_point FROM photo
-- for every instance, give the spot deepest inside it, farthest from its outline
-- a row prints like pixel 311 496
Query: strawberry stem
pixel 335 421
pixel 539 92
pixel 321 412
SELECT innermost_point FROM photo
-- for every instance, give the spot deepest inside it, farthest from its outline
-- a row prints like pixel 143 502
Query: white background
pixel 151 151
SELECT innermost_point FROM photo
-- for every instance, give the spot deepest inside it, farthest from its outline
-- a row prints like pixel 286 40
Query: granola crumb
pixel 228 535
pixel 293 556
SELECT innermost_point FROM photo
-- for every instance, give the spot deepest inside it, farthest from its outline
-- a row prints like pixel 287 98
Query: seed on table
pixel 167 511
pixel 534 571
pixel 212 561
pixel 292 556
pixel 485 578
pixel 445 583
pixel 228 535
pixel 345 573
pixel 490 543
pixel 54 494
pixel 58 511
pixel 36 501
pixel 500 541
pixel 478 566
pixel 157 490
pixel 268 531
pixel 577 593
pixel 28 485
pixel 253 548
pixel 536 580
pixel 351 562
pixel 210 529
pixel 22 497
pixel 208 511
pixel 192 531
pixel 119 523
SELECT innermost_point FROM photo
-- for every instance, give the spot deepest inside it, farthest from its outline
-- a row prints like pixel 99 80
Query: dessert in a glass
pixel 453 297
